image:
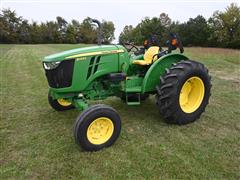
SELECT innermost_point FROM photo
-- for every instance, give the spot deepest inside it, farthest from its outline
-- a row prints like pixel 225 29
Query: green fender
pixel 157 69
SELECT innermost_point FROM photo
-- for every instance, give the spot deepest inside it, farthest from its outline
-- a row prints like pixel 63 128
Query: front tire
pixel 97 127
pixel 184 92
pixel 59 104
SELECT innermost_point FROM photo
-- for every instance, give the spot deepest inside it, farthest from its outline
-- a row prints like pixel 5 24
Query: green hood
pixel 81 51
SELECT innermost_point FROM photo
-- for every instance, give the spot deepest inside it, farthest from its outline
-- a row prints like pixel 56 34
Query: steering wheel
pixel 125 44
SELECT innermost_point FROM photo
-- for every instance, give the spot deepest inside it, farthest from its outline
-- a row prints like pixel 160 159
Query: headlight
pixel 51 65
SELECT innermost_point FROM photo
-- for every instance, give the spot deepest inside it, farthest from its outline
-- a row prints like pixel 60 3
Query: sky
pixel 120 12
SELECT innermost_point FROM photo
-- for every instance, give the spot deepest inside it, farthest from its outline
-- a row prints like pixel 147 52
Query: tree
pixel 35 33
pixel 149 27
pixel 71 34
pixel 195 32
pixel 3 30
pixel 24 32
pixel 166 23
pixel 62 28
pixel 10 25
pixel 142 31
pixel 49 32
pixel 107 31
pixel 126 34
pixel 165 20
pixel 15 29
pixel 76 27
pixel 225 27
pixel 87 33
pixel 222 30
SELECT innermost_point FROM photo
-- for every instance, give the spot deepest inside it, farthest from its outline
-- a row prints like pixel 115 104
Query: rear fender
pixel 157 69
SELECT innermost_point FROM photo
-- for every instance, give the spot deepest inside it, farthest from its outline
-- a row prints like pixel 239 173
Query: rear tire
pixel 184 92
pixel 97 127
pixel 59 104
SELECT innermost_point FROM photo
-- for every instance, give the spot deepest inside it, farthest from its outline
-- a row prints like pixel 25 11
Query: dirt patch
pixel 214 50
pixel 234 76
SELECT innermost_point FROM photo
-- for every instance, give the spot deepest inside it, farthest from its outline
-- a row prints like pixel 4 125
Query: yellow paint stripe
pixel 95 53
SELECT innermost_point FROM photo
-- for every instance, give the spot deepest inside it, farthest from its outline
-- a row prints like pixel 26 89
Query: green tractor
pixel 181 86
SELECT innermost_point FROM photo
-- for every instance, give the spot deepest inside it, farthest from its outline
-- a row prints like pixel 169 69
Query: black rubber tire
pixel 58 107
pixel 169 90
pixel 87 117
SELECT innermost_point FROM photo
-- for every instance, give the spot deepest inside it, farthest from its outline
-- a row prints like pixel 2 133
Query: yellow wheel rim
pixel 191 95
pixel 100 130
pixel 63 102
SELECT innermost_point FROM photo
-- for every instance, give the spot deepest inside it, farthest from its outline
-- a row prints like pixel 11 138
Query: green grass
pixel 37 142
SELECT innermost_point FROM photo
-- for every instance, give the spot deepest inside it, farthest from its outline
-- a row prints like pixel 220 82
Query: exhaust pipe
pixel 99 32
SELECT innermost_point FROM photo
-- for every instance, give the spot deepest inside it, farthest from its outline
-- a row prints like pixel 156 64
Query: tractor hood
pixel 86 51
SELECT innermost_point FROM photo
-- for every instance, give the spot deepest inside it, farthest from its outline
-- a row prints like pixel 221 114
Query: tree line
pixel 15 29
pixel 222 29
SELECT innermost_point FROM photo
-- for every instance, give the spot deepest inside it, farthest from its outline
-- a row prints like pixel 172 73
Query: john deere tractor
pixel 181 86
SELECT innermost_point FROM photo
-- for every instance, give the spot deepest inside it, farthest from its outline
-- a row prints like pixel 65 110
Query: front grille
pixel 61 76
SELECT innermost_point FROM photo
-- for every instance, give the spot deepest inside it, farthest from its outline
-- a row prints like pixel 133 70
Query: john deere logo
pixel 81 58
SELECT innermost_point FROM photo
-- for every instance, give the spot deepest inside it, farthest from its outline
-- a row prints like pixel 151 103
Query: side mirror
pixel 174 42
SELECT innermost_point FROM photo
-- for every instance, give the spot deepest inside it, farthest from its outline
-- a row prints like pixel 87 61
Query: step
pixel 133 103
pixel 134 89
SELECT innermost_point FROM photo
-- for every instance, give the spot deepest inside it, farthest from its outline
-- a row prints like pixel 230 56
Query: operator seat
pixel 148 57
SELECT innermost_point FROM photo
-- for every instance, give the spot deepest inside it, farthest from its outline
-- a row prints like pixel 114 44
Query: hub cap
pixel 191 95
pixel 63 102
pixel 100 130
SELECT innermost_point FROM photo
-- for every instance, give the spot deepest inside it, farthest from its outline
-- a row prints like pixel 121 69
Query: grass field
pixel 37 142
